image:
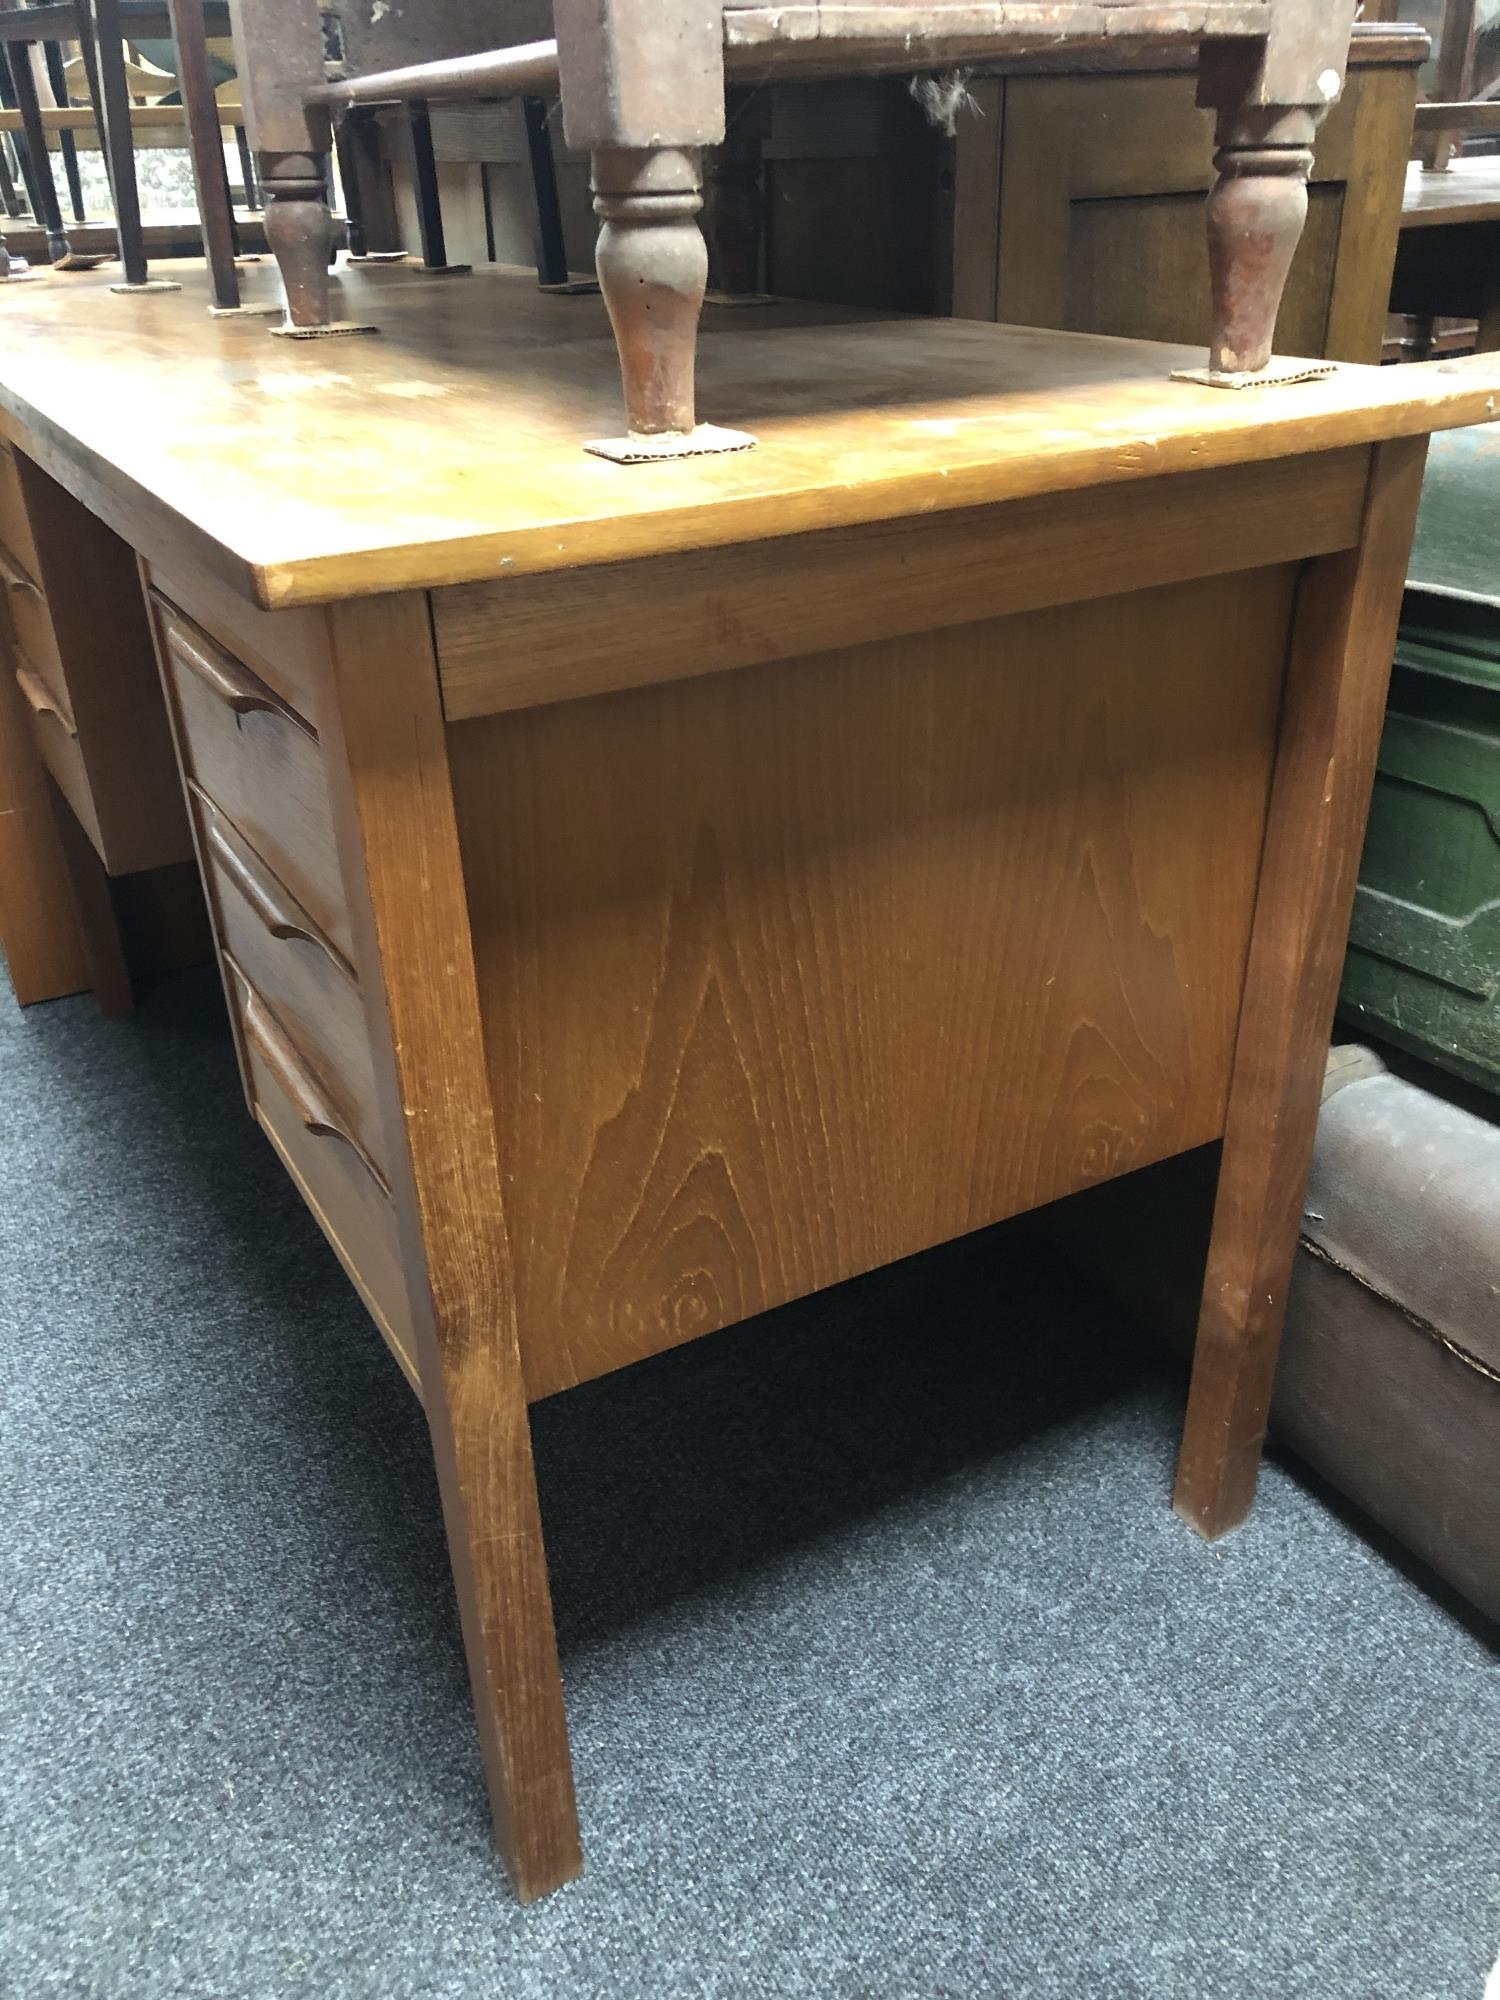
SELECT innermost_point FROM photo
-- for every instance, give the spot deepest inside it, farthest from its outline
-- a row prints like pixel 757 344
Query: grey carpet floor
pixel 890 1673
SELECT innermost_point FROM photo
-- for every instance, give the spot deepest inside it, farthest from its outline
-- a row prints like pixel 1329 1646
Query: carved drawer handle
pixel 282 917
pixel 318 1116
pixel 42 701
pixel 235 686
pixel 17 580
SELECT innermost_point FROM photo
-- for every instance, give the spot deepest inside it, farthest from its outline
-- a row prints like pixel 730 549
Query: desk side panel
pixel 789 973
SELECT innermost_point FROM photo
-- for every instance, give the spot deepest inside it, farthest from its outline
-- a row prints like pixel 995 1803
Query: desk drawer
pixel 297 970
pixel 15 523
pixel 31 622
pixel 339 1183
pixel 57 743
pixel 258 761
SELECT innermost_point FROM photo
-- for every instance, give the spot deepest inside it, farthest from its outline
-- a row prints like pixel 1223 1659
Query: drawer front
pixel 287 649
pixel 31 622
pixel 261 764
pixel 338 1183
pixel 15 524
pixel 58 745
pixel 298 971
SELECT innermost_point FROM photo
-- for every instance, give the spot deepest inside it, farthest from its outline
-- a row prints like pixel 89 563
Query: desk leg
pixel 388 766
pixel 279 54
pixel 1270 102
pixel 1332 715
pixel 643 89
pixel 1256 215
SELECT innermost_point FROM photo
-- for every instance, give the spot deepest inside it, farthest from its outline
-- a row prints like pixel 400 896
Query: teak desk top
pixel 952 803
pixel 446 449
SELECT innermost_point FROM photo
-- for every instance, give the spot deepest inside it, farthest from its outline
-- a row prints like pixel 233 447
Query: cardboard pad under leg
pixel 1274 375
pixel 151 285
pixel 242 312
pixel 377 257
pixel 696 443
pixel 328 332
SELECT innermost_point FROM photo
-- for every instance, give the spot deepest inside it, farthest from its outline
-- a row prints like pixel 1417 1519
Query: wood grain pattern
pixel 457 436
pixel 789 973
pixel 1339 671
pixel 553 637
pixel 976 204
pixel 388 766
pixel 1141 266
pixel 1370 220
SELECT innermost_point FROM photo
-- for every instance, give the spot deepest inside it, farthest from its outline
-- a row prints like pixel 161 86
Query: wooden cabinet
pixel 1074 199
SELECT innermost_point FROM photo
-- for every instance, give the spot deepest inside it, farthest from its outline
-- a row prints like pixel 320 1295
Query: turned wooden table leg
pixel 653 270
pixel 279 54
pixel 1256 214
pixel 1333 711
pixel 1270 96
pixel 643 90
pixel 299 231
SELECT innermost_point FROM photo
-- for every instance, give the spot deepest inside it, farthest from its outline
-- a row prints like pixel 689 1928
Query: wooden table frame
pixel 468 1361
pixel 739 671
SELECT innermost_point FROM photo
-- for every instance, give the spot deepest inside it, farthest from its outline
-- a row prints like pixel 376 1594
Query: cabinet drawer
pixel 15 524
pixel 258 761
pixel 57 743
pixel 297 970
pixel 339 1184
pixel 31 622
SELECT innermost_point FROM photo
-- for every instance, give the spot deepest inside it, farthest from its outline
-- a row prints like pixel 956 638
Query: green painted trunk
pixel 1423 969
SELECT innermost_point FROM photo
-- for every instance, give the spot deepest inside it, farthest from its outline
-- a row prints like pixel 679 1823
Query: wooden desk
pixel 649 894
pixel 1448 259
